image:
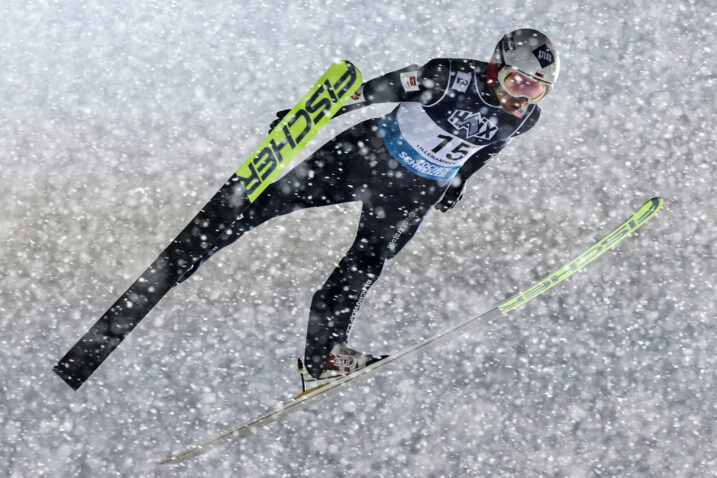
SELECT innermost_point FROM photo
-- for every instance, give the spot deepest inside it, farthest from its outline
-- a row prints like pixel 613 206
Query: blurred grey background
pixel 118 121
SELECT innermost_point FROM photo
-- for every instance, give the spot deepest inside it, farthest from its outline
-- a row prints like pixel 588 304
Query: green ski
pixel 282 145
pixel 332 387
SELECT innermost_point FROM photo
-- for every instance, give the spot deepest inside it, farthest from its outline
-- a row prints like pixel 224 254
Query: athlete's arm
pixel 454 193
pixel 424 84
pixel 478 160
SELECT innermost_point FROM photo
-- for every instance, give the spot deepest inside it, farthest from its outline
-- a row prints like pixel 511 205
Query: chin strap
pixel 492 75
pixel 493 67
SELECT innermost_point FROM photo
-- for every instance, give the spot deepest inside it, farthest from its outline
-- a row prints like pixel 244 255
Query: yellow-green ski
pixel 238 193
pixel 327 389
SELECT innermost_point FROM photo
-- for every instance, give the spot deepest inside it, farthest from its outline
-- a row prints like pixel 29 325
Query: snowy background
pixel 118 121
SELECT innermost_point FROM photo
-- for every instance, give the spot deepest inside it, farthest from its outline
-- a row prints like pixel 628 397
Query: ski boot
pixel 342 360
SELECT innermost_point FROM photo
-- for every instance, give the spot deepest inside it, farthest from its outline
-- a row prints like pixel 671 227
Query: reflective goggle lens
pixel 519 85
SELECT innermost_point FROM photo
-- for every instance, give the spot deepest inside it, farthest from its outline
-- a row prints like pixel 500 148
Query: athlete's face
pixel 510 104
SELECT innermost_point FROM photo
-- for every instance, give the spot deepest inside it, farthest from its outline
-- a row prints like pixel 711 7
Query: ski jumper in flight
pixel 452 116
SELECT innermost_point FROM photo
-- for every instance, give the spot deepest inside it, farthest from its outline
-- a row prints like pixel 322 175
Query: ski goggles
pixel 518 85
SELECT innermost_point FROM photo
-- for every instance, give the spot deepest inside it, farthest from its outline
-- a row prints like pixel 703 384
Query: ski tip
pixel 68 376
pixel 344 62
pixel 648 209
pixel 351 70
pixel 656 201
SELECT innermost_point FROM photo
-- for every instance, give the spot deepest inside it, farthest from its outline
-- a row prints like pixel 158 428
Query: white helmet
pixel 528 51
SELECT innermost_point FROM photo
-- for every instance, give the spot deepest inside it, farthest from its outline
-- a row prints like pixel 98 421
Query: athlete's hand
pixel 452 196
pixel 279 116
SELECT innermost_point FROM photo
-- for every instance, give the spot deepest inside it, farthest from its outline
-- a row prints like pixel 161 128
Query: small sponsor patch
pixel 410 81
pixel 461 82
pixel 544 56
pixel 344 362
pixel 357 97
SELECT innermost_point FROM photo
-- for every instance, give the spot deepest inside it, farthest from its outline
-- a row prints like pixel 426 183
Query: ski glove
pixel 452 196
pixel 279 116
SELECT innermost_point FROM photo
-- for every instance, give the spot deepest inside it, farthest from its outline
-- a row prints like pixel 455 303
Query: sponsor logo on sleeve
pixel 461 82
pixel 409 81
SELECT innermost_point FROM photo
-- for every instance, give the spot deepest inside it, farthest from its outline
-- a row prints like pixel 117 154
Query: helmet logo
pixel 544 56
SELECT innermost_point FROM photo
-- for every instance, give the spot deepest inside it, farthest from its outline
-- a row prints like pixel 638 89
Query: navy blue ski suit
pixel 446 126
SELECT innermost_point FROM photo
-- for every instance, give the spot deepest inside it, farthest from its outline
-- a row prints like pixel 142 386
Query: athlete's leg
pixel 389 219
pixel 334 174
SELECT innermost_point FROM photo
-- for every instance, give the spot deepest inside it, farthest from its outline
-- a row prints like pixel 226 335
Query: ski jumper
pixel 446 126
